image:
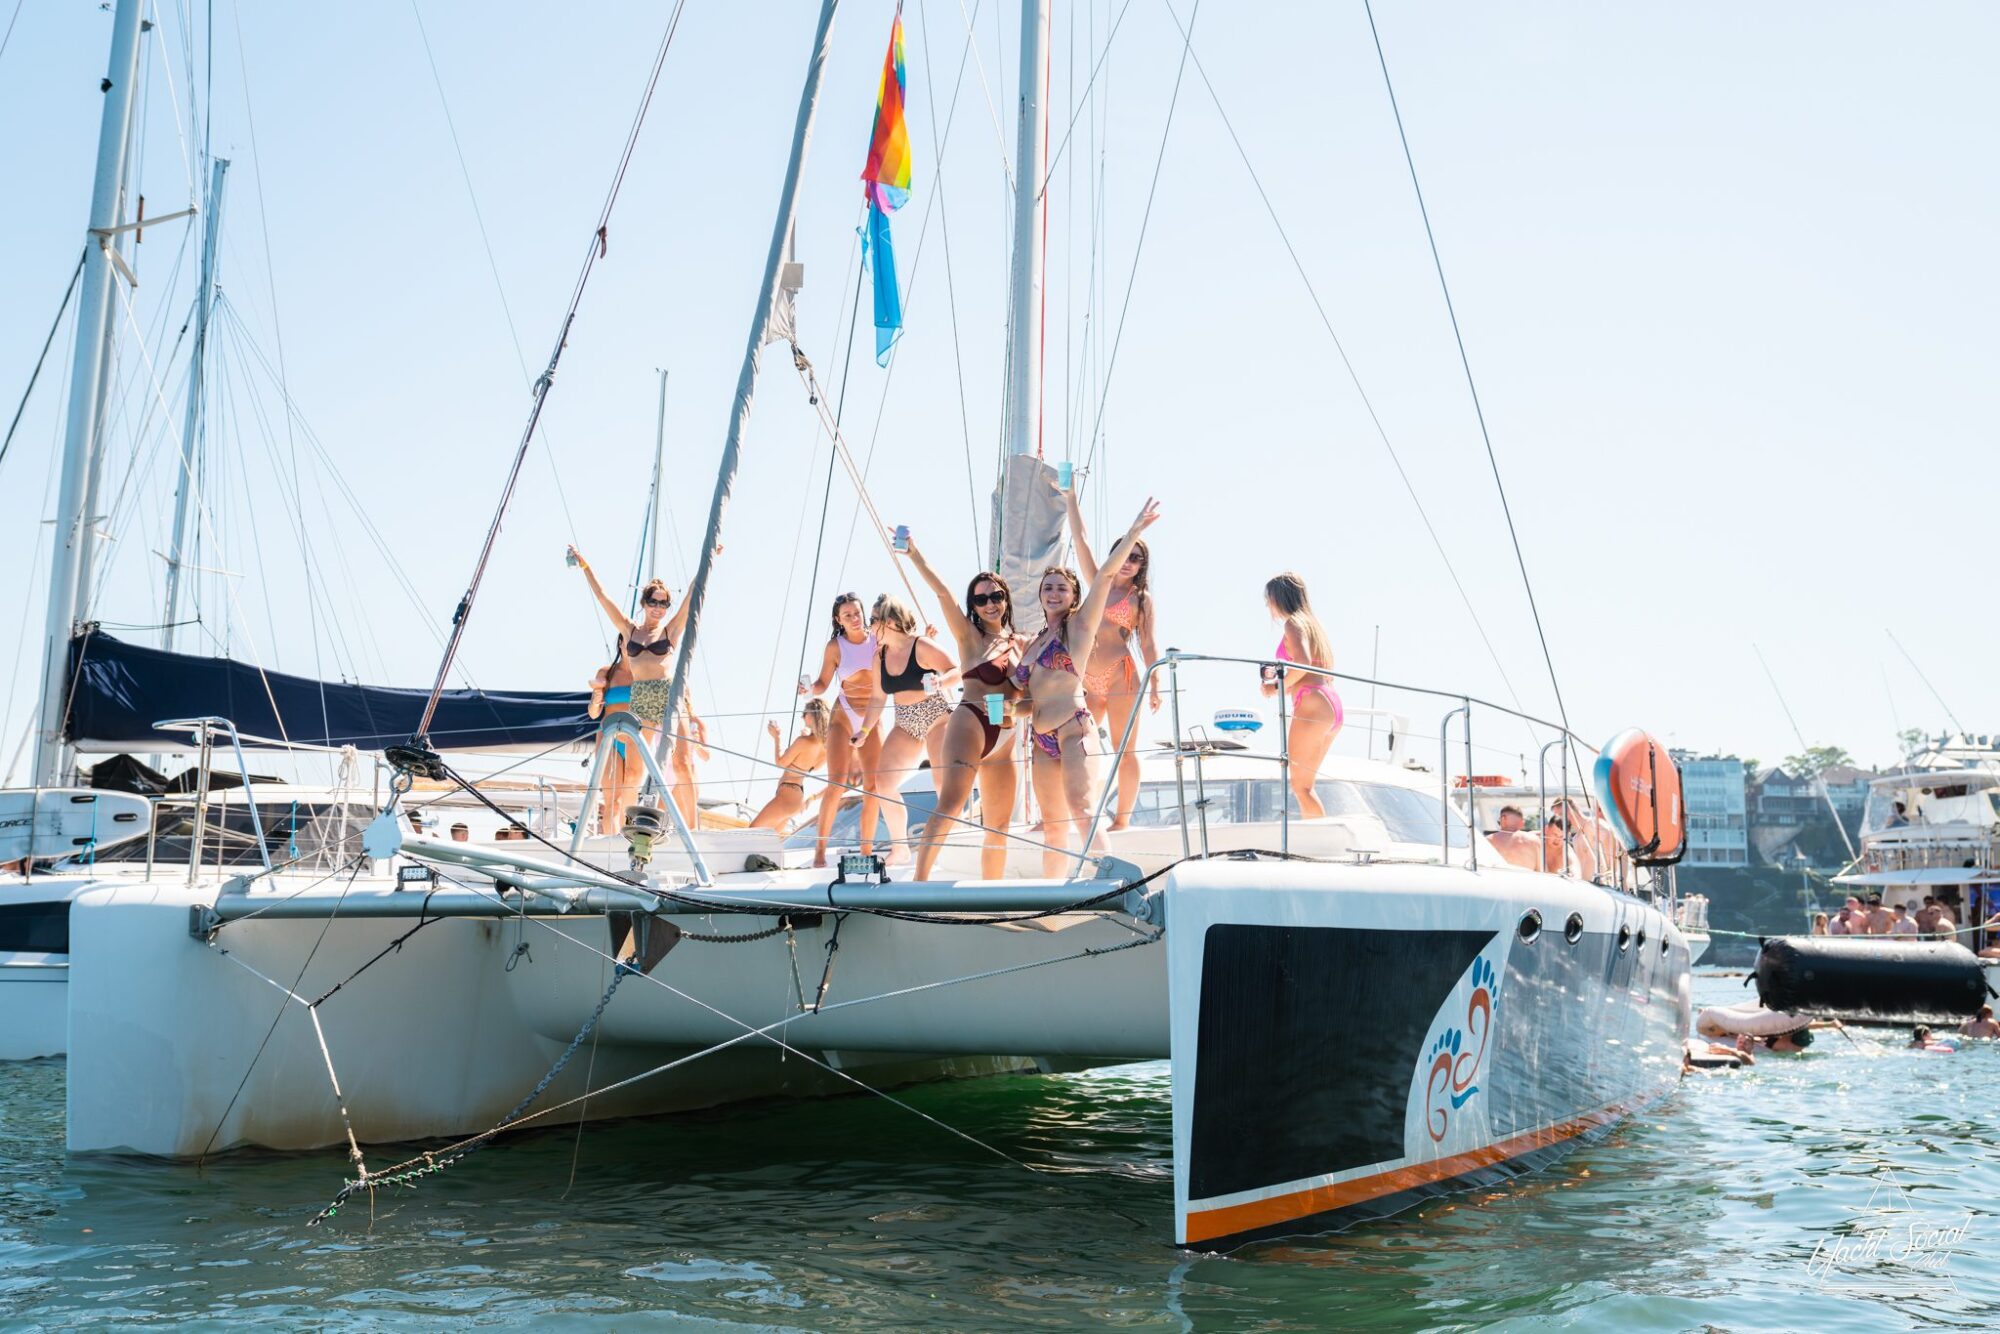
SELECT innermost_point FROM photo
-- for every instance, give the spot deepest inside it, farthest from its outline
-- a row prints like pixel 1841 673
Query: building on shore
pixel 1717 809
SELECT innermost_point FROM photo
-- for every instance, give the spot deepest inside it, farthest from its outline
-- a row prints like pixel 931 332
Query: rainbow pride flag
pixel 887 177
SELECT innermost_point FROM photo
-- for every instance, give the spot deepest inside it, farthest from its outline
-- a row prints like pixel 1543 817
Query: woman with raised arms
pixel 806 753
pixel 1110 677
pixel 979 734
pixel 643 647
pixel 1315 711
pixel 852 745
pixel 913 673
pixel 1063 766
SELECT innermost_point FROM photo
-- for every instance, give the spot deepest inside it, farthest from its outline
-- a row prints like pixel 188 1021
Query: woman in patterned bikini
pixel 916 686
pixel 853 745
pixel 643 649
pixel 1110 677
pixel 975 746
pixel 1062 765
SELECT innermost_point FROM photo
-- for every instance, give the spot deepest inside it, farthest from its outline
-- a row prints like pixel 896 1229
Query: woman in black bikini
pixel 974 745
pixel 643 647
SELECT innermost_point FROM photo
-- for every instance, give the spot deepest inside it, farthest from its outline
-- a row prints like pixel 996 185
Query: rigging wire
pixel 8 36
pixel 1077 107
pixel 599 239
pixel 1819 779
pixel 1145 219
pixel 1465 362
pixel 34 375
pixel 950 286
pixel 1354 378
pixel 1925 679
pixel 492 262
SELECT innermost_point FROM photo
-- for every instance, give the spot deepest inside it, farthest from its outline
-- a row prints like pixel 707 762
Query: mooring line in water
pixel 413 1169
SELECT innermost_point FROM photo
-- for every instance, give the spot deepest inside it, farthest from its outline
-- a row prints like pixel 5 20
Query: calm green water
pixel 855 1214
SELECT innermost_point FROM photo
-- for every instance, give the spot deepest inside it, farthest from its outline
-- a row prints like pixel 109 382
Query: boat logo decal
pixel 1459 1053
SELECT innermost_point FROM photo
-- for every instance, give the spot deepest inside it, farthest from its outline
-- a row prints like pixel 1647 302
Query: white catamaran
pixel 1360 1009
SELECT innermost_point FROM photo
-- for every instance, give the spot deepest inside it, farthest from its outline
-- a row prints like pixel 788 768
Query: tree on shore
pixel 1817 760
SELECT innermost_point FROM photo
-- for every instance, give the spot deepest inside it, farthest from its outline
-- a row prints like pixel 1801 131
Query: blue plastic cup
pixel 1065 474
pixel 996 709
pixel 902 538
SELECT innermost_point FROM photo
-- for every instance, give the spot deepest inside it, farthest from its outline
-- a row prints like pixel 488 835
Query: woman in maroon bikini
pixel 975 747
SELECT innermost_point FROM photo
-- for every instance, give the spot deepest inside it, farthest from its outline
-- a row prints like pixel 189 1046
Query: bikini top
pixel 856 657
pixel 1124 613
pixel 1054 656
pixel 910 678
pixel 993 671
pixel 659 647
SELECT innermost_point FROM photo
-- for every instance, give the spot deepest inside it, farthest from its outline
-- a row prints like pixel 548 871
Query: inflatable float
pixel 1701 1056
pixel 1871 978
pixel 1747 1019
pixel 1639 784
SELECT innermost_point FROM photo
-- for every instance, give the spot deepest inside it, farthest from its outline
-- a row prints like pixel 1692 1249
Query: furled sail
pixel 1028 533
pixel 119 690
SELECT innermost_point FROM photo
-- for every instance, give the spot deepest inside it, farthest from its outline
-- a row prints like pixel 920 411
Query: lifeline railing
pixel 1284 672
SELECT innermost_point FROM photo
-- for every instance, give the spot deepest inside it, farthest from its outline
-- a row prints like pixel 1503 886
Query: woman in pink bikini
pixel 848 665
pixel 1111 678
pixel 1062 765
pixel 975 746
pixel 1315 714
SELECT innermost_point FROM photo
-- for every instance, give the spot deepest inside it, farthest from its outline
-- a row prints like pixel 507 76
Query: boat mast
pixel 1023 411
pixel 746 380
pixel 80 439
pixel 196 421
pixel 659 462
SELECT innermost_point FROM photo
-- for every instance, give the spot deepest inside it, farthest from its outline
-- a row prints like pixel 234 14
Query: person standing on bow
pixel 979 733
pixel 644 646
pixel 1110 678
pixel 913 673
pixel 1063 765
pixel 853 747
pixel 1315 709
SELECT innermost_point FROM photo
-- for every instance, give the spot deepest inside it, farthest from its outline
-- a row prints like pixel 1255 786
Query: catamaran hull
pixel 1344 1038
pixel 1341 1056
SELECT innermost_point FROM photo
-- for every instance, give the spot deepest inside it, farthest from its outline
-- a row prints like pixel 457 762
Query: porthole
pixel 1573 928
pixel 1642 938
pixel 1663 944
pixel 1530 927
pixel 1624 939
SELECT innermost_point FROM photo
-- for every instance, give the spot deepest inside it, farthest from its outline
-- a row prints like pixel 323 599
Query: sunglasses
pixel 658 602
pixel 988 599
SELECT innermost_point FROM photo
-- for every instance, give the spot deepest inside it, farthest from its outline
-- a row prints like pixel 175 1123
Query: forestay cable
pixel 599 238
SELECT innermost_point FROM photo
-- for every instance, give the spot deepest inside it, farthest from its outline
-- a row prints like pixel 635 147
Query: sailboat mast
pixel 195 423
pixel 746 380
pixel 1023 412
pixel 80 439
pixel 659 465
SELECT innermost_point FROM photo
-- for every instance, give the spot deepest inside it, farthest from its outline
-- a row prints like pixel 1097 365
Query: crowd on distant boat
pixel 880 703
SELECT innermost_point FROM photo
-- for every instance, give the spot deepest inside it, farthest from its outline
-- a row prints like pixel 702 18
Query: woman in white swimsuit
pixel 848 666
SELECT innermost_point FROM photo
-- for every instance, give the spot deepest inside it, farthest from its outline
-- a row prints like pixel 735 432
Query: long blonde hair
pixel 1288 594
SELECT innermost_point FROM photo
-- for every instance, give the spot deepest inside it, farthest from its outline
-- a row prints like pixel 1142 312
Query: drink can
pixel 902 540
pixel 569 558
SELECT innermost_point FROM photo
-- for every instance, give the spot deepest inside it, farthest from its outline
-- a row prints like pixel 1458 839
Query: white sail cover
pixel 1028 533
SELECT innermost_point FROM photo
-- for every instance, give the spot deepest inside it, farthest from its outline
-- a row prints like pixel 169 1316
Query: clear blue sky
pixel 1726 275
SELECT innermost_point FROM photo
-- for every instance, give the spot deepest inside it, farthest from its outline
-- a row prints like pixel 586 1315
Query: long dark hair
pixel 1006 608
pixel 1145 555
pixel 838 603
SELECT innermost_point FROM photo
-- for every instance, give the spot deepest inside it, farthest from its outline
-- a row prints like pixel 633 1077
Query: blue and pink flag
pixel 887 177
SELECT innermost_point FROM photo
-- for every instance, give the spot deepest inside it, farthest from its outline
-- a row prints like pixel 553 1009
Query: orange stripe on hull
pixel 1254 1215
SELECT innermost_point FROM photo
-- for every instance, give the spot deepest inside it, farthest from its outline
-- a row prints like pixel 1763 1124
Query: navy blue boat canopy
pixel 119 690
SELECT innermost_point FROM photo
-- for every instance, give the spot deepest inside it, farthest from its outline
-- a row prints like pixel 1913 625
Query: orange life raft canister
pixel 1640 785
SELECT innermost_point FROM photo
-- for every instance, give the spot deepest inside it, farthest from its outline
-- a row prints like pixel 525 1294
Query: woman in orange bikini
pixel 974 745
pixel 1315 709
pixel 852 747
pixel 1063 766
pixel 806 753
pixel 1111 678
pixel 916 686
